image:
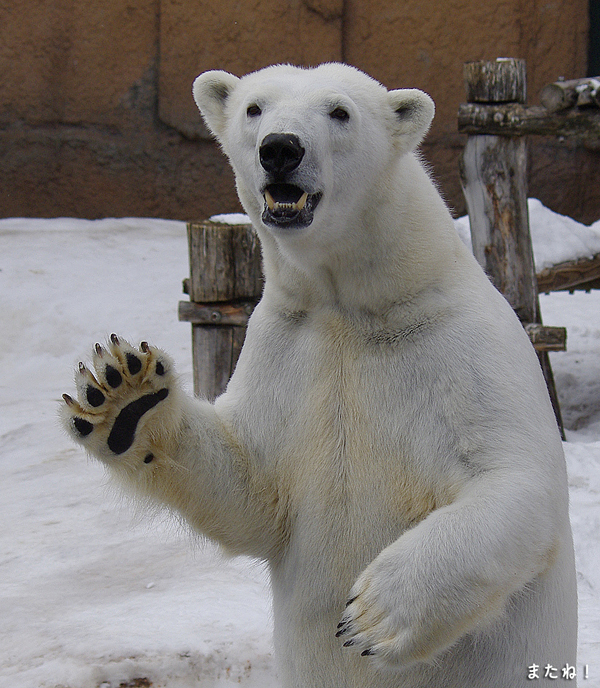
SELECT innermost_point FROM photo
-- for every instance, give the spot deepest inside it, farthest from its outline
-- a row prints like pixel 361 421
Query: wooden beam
pixel 227 314
pixel 515 119
pixel 547 338
pixel 576 274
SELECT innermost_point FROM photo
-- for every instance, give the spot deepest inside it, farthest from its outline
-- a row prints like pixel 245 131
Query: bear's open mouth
pixel 287 205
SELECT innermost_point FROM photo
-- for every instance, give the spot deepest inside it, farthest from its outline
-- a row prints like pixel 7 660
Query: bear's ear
pixel 413 111
pixel 211 91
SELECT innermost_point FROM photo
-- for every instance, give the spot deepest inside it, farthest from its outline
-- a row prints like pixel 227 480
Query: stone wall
pixel 97 118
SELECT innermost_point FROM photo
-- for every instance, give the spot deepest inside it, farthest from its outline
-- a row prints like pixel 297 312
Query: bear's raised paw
pixel 126 409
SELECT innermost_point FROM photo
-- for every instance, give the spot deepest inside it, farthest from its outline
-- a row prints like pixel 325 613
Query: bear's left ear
pixel 211 91
pixel 413 111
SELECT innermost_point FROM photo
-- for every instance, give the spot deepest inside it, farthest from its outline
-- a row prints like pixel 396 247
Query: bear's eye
pixel 253 110
pixel 340 114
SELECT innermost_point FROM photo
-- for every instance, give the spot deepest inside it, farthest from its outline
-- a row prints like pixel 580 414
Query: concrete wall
pixel 97 119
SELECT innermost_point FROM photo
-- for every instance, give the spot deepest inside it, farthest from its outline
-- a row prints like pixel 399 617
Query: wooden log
pixel 501 81
pixel 493 171
pixel 225 262
pixel 582 126
pixel 562 95
pixel 225 284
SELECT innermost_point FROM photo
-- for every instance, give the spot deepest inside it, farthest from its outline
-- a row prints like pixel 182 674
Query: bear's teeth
pixel 301 202
pixel 272 204
pixel 269 199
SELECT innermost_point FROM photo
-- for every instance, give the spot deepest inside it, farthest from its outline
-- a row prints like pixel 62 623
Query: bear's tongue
pixel 285 198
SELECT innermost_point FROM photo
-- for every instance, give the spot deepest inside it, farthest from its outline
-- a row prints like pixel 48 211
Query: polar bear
pixel 386 443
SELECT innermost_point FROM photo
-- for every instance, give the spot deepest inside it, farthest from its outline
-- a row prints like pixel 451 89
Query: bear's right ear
pixel 211 91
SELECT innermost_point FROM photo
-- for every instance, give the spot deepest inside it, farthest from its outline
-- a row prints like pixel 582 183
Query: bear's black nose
pixel 280 154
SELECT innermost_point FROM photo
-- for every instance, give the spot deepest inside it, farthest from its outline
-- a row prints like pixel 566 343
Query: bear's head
pixel 307 145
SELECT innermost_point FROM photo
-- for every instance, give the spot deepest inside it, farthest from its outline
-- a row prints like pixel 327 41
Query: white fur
pixel 387 435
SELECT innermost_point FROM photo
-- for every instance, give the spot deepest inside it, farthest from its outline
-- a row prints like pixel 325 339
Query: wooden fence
pixel 494 178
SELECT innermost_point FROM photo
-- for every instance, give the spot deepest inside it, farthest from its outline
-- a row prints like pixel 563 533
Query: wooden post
pixel 494 178
pixel 493 173
pixel 224 286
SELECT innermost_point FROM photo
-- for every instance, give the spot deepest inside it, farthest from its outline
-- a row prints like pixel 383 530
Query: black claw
pixel 83 426
pixel 351 600
pixel 343 627
pixel 94 396
pixel 134 365
pixel 367 653
pixel 99 350
pixel 114 339
pixel 113 376
pixel 81 367
pixel 145 347
pixel 349 643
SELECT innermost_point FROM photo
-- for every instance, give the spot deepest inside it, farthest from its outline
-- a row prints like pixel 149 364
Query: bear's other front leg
pixel 126 413
pixel 454 573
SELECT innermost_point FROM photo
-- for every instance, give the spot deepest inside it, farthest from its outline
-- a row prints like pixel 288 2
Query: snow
pixel 231 219
pixel 555 238
pixel 94 594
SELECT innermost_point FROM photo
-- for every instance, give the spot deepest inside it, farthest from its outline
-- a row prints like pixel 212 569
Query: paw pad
pixel 82 426
pixel 123 431
pixel 113 376
pixel 134 365
pixel 126 384
pixel 94 396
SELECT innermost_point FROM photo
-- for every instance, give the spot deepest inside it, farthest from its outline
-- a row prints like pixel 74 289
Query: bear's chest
pixel 347 424
pixel 353 441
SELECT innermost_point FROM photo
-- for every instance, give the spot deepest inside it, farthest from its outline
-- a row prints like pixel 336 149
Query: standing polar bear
pixel 386 442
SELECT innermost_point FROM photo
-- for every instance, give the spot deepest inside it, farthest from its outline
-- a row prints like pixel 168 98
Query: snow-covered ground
pixel 95 595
